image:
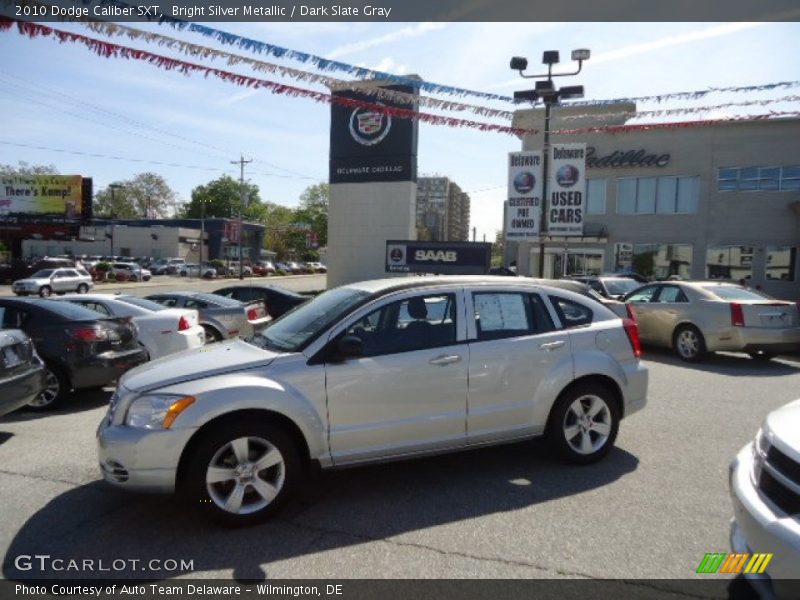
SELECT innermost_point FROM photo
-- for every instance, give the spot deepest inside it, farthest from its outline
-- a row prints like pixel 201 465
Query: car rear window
pixel 142 303
pixel 215 300
pixel 68 310
pixel 620 287
pixel 732 292
pixel 571 314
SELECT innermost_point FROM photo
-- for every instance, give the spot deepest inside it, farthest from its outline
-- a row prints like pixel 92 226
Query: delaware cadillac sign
pixel 444 258
pixel 367 144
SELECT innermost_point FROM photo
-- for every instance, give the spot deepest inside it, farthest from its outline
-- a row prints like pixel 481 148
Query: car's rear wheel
pixel 689 344
pixel 56 389
pixel 583 423
pixel 45 291
pixel 212 335
pixel 83 288
pixel 241 473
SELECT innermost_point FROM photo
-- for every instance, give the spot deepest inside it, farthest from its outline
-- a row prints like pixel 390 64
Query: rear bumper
pixel 18 391
pixel 104 368
pixel 758 338
pixel 756 527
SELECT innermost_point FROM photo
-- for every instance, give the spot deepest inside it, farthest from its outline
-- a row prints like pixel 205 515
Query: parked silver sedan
pixel 221 318
pixel 697 317
pixel 370 372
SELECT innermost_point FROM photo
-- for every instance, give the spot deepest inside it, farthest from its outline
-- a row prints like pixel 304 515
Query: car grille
pixel 114 470
pixel 778 477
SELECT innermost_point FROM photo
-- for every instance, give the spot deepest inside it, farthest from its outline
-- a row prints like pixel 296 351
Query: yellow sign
pixel 56 195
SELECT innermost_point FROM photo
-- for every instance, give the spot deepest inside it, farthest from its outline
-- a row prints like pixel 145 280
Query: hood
pixel 784 424
pixel 34 281
pixel 208 361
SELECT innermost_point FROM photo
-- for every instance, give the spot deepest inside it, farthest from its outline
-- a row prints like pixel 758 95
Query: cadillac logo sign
pixel 369 127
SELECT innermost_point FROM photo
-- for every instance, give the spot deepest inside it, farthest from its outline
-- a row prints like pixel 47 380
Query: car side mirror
pixel 350 346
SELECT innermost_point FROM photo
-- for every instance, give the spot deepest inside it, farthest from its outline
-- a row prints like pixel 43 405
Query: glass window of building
pixel 668 195
pixel 596 196
pixel 765 179
pixel 781 263
pixel 729 262
pixel 661 261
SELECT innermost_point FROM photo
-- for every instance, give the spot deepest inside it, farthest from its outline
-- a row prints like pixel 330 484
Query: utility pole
pixel 241 162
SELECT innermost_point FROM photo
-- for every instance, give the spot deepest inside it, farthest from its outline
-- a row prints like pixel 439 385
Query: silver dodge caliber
pixel 370 372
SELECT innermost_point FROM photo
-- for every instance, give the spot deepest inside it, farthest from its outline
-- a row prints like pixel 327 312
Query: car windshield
pixel 142 303
pixel 620 287
pixel 43 274
pixel 732 292
pixel 300 327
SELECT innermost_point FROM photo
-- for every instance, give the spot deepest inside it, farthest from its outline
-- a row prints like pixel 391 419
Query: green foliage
pixel 24 168
pixel 218 264
pixel 111 276
pixel 222 199
pixel 280 273
pixel 102 266
pixel 132 198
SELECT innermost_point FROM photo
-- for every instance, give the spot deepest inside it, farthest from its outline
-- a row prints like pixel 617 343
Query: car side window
pixel 11 318
pixel 572 314
pixel 165 300
pixel 501 315
pixel 415 323
pixel 70 273
pixel 643 295
pixel 97 307
pixel 596 286
pixel 83 273
pixel 194 304
pixel 672 293
pixel 227 293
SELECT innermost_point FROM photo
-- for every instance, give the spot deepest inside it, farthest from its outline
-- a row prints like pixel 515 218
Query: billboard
pixel 41 195
pixel 369 145
pixel 445 258
pixel 567 189
pixel 524 205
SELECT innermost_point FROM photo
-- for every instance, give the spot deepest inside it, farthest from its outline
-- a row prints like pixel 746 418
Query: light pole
pixel 202 231
pixel 242 193
pixel 113 187
pixel 546 92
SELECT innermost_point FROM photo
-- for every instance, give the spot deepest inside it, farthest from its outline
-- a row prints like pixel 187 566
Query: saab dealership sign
pixel 445 258
pixel 524 205
pixel 567 189
pixel 369 144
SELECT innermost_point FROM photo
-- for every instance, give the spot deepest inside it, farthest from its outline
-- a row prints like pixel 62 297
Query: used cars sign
pixel 446 258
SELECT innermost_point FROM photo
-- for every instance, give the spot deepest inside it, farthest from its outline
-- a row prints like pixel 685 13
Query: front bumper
pixel 104 368
pixel 757 527
pixel 138 459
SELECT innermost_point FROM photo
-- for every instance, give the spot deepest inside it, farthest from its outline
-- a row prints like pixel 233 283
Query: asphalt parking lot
pixel 652 509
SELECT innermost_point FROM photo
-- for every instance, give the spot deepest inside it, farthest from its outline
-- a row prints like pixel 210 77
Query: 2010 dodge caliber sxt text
pixel 369 372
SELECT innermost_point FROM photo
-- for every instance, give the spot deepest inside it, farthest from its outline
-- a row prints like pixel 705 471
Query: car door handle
pixel 550 346
pixel 445 359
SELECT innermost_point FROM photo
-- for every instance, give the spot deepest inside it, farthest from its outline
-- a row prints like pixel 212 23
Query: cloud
pixel 388 65
pixel 401 34
pixel 233 99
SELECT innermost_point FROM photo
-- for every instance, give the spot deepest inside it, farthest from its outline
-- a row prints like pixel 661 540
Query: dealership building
pixel 719 201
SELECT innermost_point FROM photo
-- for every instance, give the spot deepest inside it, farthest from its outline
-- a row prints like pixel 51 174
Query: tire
pixel 574 433
pixel 689 344
pixel 223 480
pixel 45 291
pixel 762 355
pixel 57 388
pixel 83 288
pixel 212 335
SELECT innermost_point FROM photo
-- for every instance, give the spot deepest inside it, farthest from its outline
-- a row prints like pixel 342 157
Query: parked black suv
pixel 80 348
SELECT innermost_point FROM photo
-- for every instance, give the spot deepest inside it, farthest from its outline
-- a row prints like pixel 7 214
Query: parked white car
pixel 131 271
pixel 370 372
pixel 195 270
pixel 765 489
pixel 54 281
pixel 162 331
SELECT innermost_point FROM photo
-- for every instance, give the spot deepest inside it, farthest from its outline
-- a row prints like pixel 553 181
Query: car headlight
pixel 156 412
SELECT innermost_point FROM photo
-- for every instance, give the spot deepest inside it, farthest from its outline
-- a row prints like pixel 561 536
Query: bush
pixel 102 267
pixel 280 273
pixel 218 264
pixel 111 277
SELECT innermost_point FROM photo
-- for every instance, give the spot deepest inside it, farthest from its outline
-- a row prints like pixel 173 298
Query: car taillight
pixel 737 315
pixel 632 331
pixel 630 312
pixel 89 334
pixel 254 314
pixel 183 324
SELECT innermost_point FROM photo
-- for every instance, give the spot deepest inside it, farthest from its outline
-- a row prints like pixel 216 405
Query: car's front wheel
pixel 689 344
pixel 583 423
pixel 45 291
pixel 241 473
pixel 83 288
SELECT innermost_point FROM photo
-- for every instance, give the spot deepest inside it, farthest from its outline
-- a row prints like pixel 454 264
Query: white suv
pixel 370 372
pixel 59 281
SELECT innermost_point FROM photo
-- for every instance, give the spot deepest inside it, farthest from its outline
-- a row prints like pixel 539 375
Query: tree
pixel 146 195
pixel 222 199
pixel 314 210
pixel 24 168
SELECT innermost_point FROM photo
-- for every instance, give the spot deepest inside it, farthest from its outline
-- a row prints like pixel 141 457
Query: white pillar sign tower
pixel 373 182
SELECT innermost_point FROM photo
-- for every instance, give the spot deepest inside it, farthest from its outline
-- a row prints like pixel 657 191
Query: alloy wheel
pixel 52 388
pixel 688 343
pixel 587 424
pixel 245 475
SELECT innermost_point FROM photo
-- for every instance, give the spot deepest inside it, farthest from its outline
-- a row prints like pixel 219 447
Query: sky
pixel 111 119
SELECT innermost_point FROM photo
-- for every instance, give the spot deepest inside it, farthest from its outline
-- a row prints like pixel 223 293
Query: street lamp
pixel 547 92
pixel 113 187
